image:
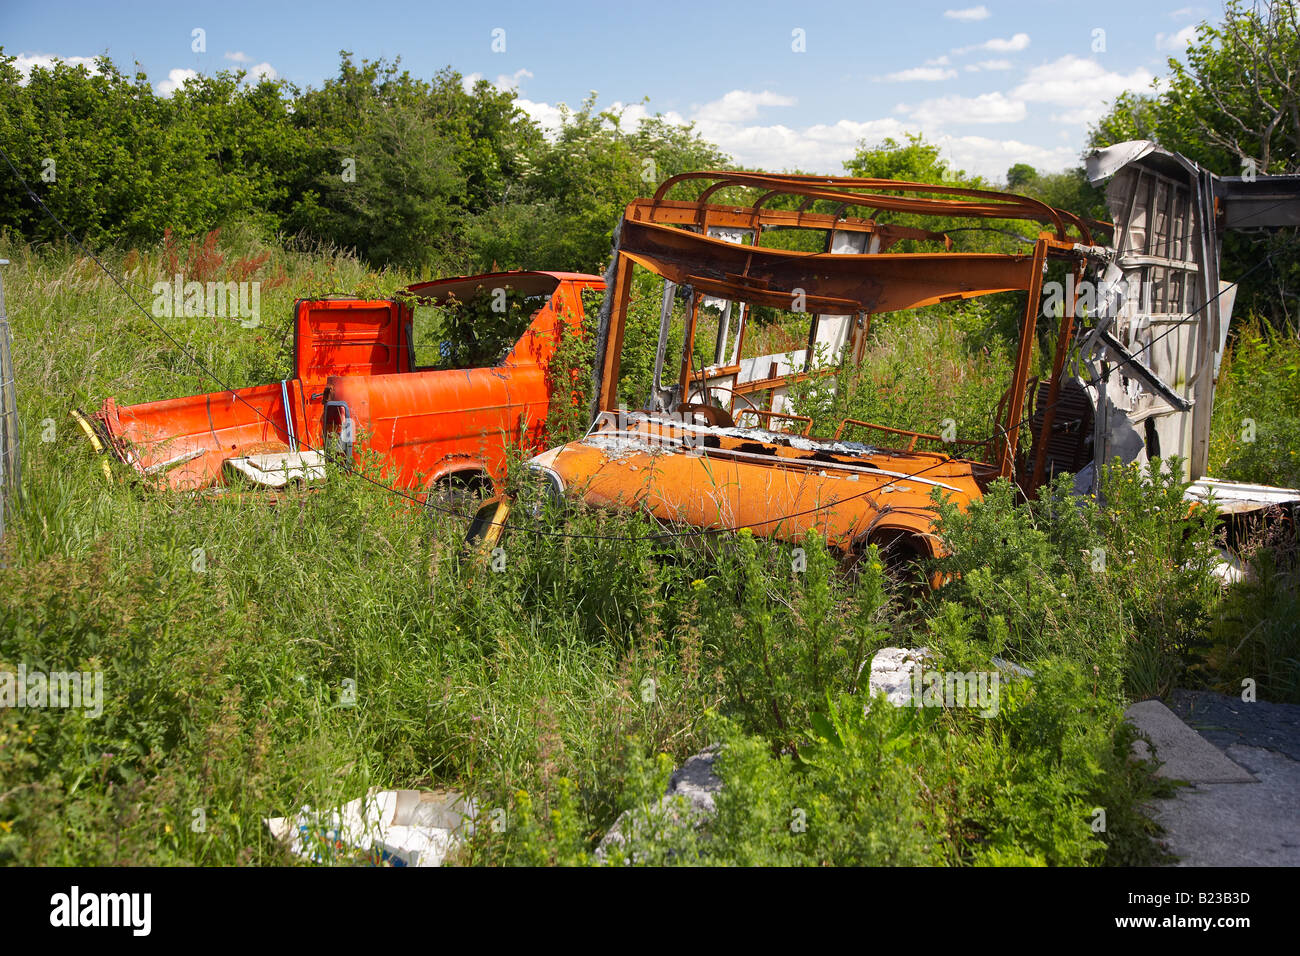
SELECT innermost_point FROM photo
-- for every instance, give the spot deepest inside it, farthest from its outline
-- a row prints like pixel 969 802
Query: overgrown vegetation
pixel 1256 431
pixel 563 689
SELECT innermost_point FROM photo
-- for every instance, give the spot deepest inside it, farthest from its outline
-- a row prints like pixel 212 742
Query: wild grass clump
pixel 1255 433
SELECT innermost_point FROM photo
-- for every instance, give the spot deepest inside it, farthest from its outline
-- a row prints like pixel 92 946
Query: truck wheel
pixel 457 497
pixel 903 556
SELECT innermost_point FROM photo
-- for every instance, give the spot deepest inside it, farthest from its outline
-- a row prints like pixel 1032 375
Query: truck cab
pixel 435 381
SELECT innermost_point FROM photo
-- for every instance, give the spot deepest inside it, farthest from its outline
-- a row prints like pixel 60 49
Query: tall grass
pixel 260 657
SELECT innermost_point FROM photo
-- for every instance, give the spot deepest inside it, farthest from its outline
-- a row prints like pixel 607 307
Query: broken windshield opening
pixel 476 331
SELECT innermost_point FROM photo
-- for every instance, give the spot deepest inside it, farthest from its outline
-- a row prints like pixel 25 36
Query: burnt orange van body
pixel 715 447
pixel 356 384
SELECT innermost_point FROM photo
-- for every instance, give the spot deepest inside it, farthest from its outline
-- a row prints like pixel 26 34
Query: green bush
pixel 1255 433
pixel 1125 589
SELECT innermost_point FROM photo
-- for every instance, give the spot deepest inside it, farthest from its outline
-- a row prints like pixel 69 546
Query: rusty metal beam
pixel 612 358
pixel 831 283
pixel 1020 378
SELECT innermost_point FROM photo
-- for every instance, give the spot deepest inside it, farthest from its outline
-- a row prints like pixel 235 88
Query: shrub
pixel 1124 590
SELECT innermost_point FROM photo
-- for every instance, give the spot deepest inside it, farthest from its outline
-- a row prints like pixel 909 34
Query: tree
pixel 436 174
pixel 914 161
pixel 398 165
pixel 1235 101
pixel 1240 88
pixel 1020 175
pixel 118 163
pixel 577 185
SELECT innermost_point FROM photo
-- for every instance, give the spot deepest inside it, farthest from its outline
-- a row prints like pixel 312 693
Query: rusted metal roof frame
pixel 670 238
pixel 876 193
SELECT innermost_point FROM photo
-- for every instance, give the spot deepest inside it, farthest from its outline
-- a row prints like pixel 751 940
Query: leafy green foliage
pixel 915 161
pixel 477 332
pixel 573 189
pixel 1256 430
pixel 117 162
pixel 569 376
pixel 421 174
pixel 1126 589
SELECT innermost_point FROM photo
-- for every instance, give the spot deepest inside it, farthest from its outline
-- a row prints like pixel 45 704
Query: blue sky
pixel 994 83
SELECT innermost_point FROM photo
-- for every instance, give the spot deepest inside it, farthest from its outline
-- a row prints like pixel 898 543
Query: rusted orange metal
pixel 355 382
pixel 684 459
pixel 778 486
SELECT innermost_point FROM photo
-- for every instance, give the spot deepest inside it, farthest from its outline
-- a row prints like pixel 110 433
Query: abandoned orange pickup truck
pixel 435 381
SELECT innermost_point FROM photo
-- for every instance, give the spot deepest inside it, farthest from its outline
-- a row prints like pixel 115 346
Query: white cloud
pixel 919 74
pixel 544 114
pixel 262 71
pixel 512 81
pixel 824 148
pixel 990 65
pixel 1184 12
pixel 631 114
pixel 1012 44
pixel 985 108
pixel 818 148
pixel 24 63
pixel 175 80
pixel 740 105
pixel 1080 85
pixel 504 82
pixel 969 14
pixel 239 56
pixel 1083 116
pixel 736 124
pixel 991 158
pixel 1176 42
pixel 938 61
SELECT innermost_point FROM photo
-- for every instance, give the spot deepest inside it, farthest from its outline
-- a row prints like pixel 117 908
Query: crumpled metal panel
pixel 1174 309
pixel 1166 311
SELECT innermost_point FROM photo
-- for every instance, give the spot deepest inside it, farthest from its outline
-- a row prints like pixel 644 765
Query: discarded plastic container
pixel 387 827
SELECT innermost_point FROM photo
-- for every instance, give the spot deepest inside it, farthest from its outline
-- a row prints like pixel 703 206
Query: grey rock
pixel 892 673
pixel 696 781
pixel 1225 719
pixel 1235 824
pixel 688 802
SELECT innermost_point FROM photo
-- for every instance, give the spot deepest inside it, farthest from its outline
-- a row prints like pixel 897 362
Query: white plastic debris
pixel 393 827
pixel 277 469
pixel 1230 569
pixel 895 673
